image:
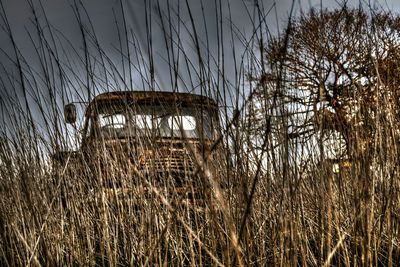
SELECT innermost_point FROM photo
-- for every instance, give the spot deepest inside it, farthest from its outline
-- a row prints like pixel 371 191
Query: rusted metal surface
pixel 142 97
pixel 131 165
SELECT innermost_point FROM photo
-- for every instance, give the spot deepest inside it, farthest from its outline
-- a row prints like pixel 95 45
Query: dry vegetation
pixel 309 135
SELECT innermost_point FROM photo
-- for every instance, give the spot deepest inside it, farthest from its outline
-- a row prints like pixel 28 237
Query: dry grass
pixel 283 204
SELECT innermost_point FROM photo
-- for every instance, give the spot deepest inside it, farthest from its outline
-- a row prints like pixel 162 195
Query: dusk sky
pixel 238 18
pixel 105 14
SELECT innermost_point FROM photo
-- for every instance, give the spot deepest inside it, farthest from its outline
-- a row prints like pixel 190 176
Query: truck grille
pixel 175 161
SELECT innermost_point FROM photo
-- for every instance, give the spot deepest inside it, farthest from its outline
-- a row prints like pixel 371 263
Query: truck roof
pixel 156 97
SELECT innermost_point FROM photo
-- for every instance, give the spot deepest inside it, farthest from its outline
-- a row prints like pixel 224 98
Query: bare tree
pixel 330 95
pixel 333 71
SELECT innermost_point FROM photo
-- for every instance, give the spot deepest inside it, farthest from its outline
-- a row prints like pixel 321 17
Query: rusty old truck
pixel 141 142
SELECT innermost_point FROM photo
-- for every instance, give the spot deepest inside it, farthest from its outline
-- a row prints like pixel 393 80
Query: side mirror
pixel 70 113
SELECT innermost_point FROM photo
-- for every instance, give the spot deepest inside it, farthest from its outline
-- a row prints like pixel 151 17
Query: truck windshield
pixel 162 121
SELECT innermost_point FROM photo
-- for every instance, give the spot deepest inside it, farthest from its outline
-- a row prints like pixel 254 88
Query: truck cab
pixel 133 141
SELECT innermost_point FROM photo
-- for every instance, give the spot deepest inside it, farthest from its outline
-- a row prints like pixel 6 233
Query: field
pixel 309 132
